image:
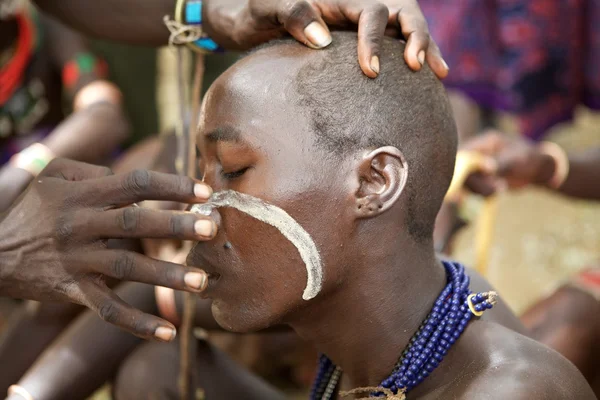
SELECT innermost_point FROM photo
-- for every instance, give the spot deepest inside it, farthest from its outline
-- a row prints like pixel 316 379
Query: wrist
pixel 33 159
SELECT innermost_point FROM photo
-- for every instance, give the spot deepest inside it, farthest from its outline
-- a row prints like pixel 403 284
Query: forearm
pixel 29 330
pixel 87 353
pixel 583 180
pixel 141 21
pixel 89 135
pixel 231 17
pixel 131 21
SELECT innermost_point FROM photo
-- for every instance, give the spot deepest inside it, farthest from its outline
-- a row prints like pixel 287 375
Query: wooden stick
pixel 466 163
pixel 187 342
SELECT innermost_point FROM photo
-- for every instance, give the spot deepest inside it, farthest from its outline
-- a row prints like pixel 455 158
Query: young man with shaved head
pixel 361 166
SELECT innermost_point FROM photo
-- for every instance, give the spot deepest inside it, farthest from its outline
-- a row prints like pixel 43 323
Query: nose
pixel 208 210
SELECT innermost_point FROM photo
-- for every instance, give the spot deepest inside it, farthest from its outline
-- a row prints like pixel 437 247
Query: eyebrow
pixel 225 134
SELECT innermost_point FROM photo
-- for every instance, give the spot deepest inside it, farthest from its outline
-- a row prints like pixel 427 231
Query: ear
pixel 382 176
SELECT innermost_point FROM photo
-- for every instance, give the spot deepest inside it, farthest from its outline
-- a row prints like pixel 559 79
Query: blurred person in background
pixel 568 320
pixel 536 61
pixel 44 65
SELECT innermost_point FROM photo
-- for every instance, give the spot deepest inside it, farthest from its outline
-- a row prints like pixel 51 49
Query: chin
pixel 241 319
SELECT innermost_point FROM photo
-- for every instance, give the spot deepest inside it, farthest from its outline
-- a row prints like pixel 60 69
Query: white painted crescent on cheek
pixel 281 220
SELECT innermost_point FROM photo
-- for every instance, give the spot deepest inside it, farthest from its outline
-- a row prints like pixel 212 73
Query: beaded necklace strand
pixel 451 313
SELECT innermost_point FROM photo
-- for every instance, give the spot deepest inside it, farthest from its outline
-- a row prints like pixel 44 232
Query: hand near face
pixel 242 27
pixel 54 240
pixel 519 163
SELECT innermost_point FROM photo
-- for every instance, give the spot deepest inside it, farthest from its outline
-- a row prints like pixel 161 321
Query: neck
pixel 365 327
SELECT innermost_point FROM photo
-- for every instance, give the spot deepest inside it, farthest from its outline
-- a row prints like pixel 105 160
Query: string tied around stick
pixel 182 33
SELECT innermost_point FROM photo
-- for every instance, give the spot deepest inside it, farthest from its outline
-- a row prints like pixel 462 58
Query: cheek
pixel 265 258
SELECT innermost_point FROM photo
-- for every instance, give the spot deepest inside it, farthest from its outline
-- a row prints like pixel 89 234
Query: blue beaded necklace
pixel 451 313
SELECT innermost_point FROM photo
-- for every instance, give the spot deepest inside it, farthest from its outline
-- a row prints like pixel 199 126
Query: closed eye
pixel 234 174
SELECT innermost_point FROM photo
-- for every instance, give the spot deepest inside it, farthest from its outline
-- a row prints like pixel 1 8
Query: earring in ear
pixel 227 245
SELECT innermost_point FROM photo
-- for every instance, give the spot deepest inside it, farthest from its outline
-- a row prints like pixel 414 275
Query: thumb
pixel 303 22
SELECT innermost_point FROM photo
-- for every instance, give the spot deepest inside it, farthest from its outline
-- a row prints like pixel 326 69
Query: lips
pixel 200 261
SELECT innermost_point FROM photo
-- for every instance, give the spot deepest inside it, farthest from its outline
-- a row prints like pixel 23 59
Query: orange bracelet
pixel 561 163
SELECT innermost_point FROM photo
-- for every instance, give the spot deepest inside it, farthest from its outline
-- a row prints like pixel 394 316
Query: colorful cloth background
pixel 538 59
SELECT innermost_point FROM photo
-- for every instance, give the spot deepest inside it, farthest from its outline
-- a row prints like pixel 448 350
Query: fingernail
pixel 375 64
pixel 165 334
pixel 421 57
pixel 202 191
pixel 317 35
pixel 204 227
pixel 195 280
pixel 445 65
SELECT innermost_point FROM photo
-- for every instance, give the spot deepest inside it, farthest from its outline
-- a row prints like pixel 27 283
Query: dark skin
pixel 30 329
pixel 71 241
pixel 37 327
pixel 568 321
pixel 242 24
pixel 521 163
pixel 142 374
pixel 34 326
pixel 137 21
pixel 56 376
pixel 216 373
pixel 158 377
pixel 390 284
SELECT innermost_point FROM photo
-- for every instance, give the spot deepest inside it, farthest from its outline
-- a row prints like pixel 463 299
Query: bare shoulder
pixel 518 368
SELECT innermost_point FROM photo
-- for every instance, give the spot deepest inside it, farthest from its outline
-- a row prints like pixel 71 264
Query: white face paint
pixel 281 220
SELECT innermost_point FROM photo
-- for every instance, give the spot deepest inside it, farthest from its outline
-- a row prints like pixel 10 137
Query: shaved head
pixel 359 165
pixel 401 108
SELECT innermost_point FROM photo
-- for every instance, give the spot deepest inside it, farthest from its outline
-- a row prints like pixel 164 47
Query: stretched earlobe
pixel 382 175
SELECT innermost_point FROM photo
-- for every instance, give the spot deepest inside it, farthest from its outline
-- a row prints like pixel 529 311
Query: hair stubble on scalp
pixel 402 108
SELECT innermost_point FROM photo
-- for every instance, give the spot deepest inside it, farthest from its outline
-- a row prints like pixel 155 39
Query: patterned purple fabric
pixel 538 59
